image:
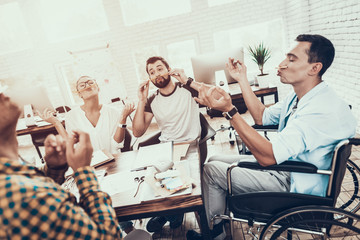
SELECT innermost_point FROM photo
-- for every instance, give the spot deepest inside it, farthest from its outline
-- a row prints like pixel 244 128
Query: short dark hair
pixel 321 50
pixel 151 60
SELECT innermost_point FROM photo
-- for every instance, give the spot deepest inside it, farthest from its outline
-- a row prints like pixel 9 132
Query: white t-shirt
pixel 176 114
pixel 102 135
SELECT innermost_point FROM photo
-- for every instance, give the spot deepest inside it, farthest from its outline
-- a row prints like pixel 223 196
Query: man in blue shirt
pixel 312 120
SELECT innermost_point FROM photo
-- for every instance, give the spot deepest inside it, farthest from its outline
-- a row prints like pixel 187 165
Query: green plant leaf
pixel 260 54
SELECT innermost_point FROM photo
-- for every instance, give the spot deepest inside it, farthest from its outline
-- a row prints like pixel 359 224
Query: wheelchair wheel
pixel 349 197
pixel 312 222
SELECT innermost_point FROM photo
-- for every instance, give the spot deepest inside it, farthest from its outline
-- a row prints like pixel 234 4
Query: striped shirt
pixel 33 206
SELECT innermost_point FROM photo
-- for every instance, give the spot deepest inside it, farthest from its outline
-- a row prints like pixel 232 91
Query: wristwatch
pixel 122 125
pixel 228 115
pixel 189 81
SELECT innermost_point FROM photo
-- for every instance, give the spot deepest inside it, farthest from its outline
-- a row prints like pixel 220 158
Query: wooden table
pixel 127 207
pixel 38 134
pixel 45 130
pixel 235 92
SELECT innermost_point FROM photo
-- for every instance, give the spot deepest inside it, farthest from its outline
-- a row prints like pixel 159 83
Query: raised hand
pixel 80 155
pixel 207 98
pixel 127 110
pixel 179 74
pixel 55 151
pixel 143 90
pixel 237 69
pixel 48 116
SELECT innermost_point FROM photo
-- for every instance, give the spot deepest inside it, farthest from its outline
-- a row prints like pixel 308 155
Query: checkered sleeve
pixel 99 218
pixel 34 205
pixel 92 218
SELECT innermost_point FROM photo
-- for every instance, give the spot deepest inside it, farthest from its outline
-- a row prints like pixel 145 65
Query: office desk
pixel 127 207
pixel 45 130
pixel 38 134
pixel 235 92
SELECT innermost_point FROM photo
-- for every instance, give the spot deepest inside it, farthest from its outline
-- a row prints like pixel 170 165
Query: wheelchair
pixel 285 215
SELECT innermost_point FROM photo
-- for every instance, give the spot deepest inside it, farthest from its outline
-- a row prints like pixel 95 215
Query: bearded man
pixel 175 110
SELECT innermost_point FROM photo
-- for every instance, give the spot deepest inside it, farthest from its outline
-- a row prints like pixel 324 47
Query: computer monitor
pixel 209 67
pixel 34 95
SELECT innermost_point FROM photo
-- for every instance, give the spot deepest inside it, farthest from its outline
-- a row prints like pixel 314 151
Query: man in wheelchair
pixel 312 121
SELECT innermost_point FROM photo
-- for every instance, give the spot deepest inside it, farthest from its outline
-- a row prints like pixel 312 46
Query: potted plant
pixel 260 54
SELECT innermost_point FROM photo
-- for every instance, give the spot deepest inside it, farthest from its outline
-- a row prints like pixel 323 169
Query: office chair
pixel 293 215
pixel 207 132
pixel 128 139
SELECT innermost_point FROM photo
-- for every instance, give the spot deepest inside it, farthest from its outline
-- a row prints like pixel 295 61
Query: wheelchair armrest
pixel 287 166
pixel 265 127
pixel 354 141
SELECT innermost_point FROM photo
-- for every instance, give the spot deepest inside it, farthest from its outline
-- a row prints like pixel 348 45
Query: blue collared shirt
pixel 310 134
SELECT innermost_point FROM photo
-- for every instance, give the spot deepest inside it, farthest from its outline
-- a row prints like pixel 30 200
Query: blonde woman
pixel 104 123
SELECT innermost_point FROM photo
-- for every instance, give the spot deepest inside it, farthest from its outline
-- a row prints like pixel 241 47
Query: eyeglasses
pixel 82 85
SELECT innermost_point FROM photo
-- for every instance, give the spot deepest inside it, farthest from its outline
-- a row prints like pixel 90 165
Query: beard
pixel 163 83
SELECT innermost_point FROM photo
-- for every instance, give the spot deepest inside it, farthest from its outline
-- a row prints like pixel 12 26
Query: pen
pixel 138 169
pixel 124 105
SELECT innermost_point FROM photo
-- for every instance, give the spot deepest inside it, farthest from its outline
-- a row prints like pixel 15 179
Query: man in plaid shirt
pixel 33 205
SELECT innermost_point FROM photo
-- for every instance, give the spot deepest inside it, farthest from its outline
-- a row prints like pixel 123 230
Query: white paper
pixel 120 182
pixel 21 125
pixel 98 157
pixel 157 155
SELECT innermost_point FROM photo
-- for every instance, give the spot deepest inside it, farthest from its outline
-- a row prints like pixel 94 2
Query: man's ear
pixel 169 69
pixel 315 68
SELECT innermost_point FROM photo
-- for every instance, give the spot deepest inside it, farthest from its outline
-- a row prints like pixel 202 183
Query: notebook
pixel 100 157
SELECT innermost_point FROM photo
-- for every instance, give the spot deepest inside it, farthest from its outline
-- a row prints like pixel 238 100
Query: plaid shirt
pixel 33 206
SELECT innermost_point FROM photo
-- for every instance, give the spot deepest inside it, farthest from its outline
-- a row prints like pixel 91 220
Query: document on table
pixel 100 157
pixel 158 155
pixel 153 190
pixel 124 185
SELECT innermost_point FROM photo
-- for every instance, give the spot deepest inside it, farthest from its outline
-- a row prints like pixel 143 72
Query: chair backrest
pixel 341 155
pixel 127 142
pixel 62 109
pixel 206 132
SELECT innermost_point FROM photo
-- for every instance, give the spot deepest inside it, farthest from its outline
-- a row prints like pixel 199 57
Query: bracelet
pixel 122 125
pixel 189 81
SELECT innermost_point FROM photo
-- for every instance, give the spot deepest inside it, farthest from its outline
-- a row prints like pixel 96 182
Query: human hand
pixel 80 155
pixel 237 69
pixel 48 116
pixel 55 151
pixel 127 110
pixel 179 74
pixel 143 90
pixel 207 97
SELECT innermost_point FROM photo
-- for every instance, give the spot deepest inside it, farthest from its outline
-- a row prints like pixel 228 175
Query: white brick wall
pixel 337 20
pixel 340 22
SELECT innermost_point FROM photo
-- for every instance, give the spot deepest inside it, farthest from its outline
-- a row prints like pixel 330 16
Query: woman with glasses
pixel 105 124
